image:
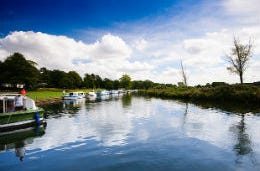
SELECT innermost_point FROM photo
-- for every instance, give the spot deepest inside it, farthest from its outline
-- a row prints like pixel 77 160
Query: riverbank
pixel 49 95
pixel 243 94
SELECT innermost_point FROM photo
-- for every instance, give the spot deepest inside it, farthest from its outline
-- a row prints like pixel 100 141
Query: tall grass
pixel 230 93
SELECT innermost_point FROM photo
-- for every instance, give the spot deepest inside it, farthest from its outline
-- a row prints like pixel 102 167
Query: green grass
pixel 48 93
pixel 232 93
pixel 39 95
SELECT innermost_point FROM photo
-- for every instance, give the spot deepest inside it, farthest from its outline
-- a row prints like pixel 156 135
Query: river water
pixel 136 133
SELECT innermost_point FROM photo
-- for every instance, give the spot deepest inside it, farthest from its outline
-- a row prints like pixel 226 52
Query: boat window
pixel 71 94
pixel 10 106
pixel 1 106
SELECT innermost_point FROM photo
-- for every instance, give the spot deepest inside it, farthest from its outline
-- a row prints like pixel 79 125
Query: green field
pixel 49 93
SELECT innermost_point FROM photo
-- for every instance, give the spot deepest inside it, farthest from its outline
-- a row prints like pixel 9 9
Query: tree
pixel 76 79
pixel 184 76
pixel 44 76
pixel 125 81
pixel 89 81
pixel 116 84
pixel 107 84
pixel 240 54
pixel 17 70
pixel 57 79
pixel 147 84
pixel 98 81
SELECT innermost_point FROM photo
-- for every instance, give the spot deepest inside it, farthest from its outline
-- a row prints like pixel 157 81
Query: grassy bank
pixel 44 94
pixel 49 93
pixel 228 93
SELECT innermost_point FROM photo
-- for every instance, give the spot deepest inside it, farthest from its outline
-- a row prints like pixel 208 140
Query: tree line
pixel 15 69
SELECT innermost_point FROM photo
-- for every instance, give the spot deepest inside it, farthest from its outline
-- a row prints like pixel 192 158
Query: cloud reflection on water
pixel 116 122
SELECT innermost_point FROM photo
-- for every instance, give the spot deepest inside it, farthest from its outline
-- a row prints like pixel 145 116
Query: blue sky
pixel 143 38
pixel 67 16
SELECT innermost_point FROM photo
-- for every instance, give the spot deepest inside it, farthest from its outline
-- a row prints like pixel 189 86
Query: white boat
pixel 103 93
pixel 121 91
pixel 92 94
pixel 74 95
pixel 114 92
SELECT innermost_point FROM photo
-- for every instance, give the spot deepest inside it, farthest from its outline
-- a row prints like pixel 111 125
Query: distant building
pixel 6 85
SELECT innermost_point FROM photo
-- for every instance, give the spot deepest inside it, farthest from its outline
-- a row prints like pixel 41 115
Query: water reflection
pixel 18 139
pixel 55 110
pixel 73 103
pixel 107 123
pixel 139 127
pixel 20 150
pixel 185 115
pixel 103 98
pixel 243 145
pixel 230 107
pixel 127 100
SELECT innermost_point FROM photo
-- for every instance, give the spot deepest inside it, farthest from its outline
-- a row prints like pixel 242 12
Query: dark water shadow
pixel 127 100
pixel 243 146
pixel 66 107
pixel 229 107
pixel 18 139
pixel 224 106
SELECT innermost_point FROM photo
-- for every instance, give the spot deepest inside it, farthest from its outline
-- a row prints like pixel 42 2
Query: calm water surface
pixel 136 133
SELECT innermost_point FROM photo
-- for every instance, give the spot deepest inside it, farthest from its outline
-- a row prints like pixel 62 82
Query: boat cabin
pixel 7 103
pixel 74 95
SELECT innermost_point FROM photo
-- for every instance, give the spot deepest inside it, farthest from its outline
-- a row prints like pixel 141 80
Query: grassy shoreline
pixel 50 93
pixel 237 94
pixel 232 94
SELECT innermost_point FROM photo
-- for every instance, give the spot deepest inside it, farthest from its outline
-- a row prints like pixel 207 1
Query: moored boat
pixel 114 92
pixel 12 118
pixel 74 95
pixel 103 93
pixel 92 94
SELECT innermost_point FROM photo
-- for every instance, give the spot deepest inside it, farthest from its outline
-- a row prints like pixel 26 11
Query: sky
pixel 146 39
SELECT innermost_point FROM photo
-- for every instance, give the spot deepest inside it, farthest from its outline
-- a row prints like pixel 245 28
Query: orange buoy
pixel 23 92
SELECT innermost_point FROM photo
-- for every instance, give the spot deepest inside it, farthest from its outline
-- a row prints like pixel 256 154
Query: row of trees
pixel 17 70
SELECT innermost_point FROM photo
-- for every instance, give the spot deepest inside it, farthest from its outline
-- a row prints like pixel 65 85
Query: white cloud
pixel 246 11
pixel 105 57
pixel 152 48
pixel 242 7
pixel 140 44
pixel 110 47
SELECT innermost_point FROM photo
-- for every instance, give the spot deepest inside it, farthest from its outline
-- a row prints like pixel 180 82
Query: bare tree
pixel 184 76
pixel 240 54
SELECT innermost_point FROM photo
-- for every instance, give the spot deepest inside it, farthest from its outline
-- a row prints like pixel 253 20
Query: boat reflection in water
pixel 139 133
pixel 18 139
pixel 73 103
pixel 72 106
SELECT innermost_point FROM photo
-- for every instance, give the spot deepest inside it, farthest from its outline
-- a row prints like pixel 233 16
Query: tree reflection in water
pixel 243 146
pixel 185 115
pixel 126 100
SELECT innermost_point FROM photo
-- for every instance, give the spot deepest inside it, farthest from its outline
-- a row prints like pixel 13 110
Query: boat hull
pixel 9 138
pixel 72 97
pixel 21 119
